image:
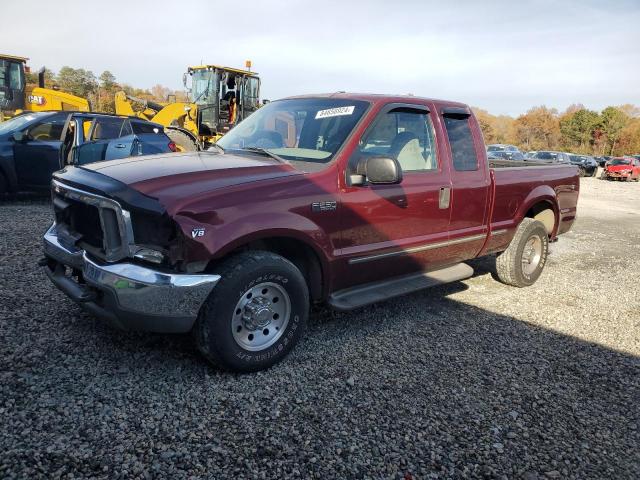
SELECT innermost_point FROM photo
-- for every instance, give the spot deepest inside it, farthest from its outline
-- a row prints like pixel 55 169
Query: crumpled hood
pixel 174 177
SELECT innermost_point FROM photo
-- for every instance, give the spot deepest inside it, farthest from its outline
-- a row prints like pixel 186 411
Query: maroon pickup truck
pixel 345 199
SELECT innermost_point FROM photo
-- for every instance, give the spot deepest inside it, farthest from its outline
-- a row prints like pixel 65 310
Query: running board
pixel 362 295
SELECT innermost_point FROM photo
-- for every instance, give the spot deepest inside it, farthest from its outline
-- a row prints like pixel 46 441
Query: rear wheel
pixel 256 313
pixel 183 141
pixel 522 262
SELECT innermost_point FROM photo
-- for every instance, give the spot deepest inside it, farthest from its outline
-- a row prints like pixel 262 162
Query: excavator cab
pixel 12 84
pixel 223 97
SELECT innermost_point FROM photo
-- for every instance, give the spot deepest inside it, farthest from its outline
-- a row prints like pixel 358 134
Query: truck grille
pixel 96 224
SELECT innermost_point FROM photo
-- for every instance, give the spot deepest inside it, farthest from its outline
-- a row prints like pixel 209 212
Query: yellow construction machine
pixel 220 98
pixel 16 96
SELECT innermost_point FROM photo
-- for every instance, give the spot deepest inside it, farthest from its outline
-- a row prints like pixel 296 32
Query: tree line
pixel 100 91
pixel 613 131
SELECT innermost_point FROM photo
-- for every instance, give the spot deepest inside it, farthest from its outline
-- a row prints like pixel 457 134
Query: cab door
pixel 391 230
pixel 38 155
pixel 110 138
pixel 470 183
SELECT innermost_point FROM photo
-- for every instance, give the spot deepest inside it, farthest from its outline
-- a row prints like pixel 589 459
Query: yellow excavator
pixel 16 96
pixel 220 98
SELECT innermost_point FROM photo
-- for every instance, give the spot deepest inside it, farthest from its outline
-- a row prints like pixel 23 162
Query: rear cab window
pixel 463 149
pixel 140 128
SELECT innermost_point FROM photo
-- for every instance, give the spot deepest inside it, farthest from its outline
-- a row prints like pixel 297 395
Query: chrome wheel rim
pixel 531 255
pixel 261 316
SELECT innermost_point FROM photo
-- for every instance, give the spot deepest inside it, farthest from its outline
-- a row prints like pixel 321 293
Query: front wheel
pixel 255 314
pixel 522 262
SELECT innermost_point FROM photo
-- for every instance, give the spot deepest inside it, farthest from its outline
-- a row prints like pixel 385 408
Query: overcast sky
pixel 503 56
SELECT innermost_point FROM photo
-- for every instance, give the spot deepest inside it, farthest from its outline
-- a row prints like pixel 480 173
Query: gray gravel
pixel 470 380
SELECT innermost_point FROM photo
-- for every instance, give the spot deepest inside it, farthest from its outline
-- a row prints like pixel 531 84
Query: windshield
pixel 17 122
pixel 306 132
pixel 203 86
pixel 615 161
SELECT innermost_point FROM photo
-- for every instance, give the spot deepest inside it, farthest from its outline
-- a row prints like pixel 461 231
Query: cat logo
pixel 197 232
pixel 37 100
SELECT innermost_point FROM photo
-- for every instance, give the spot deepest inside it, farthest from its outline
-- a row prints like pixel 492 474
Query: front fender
pixel 221 238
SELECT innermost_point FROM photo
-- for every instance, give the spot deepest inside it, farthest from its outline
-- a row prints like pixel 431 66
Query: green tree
pixel 78 81
pixel 612 121
pixel 577 130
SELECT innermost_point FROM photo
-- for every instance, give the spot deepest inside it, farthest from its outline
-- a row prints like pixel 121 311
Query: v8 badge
pixel 197 232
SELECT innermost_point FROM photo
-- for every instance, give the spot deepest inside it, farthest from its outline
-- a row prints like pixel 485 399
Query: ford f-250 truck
pixel 345 199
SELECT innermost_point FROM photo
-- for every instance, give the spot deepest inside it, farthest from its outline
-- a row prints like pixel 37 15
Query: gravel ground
pixel 474 379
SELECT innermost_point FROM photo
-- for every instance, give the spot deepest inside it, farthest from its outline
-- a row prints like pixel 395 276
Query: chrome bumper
pixel 127 295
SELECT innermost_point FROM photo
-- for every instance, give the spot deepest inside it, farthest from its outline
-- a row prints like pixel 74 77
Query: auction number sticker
pixel 335 112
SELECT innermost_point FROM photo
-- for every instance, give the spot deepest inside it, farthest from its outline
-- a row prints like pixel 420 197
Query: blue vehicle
pixel 36 144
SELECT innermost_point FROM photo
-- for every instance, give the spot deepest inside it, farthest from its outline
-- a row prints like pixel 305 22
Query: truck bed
pixel 516 183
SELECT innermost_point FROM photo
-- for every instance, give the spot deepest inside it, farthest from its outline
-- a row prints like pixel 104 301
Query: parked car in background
pixel 530 154
pixel 602 160
pixel 507 152
pixel 587 166
pixel 36 144
pixel 622 168
pixel 549 156
pixel 507 155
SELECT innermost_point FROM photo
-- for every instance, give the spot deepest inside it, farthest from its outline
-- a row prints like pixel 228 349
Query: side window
pixel 463 150
pixel 107 128
pixel 404 134
pixel 47 131
pixel 140 128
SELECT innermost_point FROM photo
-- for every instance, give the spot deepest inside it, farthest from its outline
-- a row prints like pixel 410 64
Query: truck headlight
pixel 149 255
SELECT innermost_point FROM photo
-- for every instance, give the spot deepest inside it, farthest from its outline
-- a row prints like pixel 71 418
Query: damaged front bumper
pixel 126 295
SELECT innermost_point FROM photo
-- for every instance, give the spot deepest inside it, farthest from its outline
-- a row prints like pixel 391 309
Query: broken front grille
pixel 91 222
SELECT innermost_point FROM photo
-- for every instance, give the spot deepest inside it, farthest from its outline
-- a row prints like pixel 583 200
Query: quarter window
pixel 404 134
pixel 463 149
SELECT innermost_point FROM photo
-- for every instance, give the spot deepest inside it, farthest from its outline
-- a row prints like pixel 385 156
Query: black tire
pixel 581 172
pixel 183 141
pixel 510 263
pixel 241 273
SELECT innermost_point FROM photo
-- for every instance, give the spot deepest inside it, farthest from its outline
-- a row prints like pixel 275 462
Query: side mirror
pixel 377 171
pixel 19 137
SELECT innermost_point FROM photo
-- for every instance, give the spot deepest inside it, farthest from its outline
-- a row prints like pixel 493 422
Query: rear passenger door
pixel 110 138
pixel 470 183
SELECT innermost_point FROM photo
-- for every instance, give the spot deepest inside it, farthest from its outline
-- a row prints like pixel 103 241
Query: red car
pixel 622 168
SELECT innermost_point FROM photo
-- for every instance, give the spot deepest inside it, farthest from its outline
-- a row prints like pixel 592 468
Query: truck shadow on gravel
pixel 449 386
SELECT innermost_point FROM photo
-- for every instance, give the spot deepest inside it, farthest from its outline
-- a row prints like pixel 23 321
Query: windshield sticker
pixel 335 112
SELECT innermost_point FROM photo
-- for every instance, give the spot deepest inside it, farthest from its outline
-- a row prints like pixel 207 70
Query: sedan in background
pixel 507 152
pixel 508 155
pixel 587 166
pixel 622 168
pixel 548 156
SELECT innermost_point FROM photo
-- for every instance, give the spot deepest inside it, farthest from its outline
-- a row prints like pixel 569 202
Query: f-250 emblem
pixel 197 232
pixel 329 206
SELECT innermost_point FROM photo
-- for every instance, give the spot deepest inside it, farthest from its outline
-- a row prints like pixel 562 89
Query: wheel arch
pixel 542 204
pixel 298 249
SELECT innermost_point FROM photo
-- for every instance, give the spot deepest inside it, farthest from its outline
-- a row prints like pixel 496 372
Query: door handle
pixel 445 197
pixel 121 145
